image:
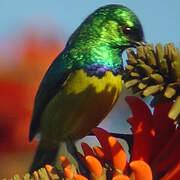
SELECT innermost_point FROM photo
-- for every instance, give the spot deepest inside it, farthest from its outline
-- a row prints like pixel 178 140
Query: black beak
pixel 139 43
pixel 134 44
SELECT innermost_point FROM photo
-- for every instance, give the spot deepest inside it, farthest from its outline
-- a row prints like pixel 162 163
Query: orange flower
pixel 139 168
pixel 155 149
pixel 156 137
pixel 18 85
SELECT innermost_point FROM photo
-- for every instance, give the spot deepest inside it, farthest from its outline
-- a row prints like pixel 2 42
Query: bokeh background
pixel 32 33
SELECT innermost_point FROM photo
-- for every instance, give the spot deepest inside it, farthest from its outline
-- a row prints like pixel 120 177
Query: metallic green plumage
pixel 96 44
pixel 101 37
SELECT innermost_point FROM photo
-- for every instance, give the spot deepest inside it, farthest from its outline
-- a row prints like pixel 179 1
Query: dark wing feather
pixel 49 87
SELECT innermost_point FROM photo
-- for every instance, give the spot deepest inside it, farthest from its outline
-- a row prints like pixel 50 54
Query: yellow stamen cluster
pixel 155 71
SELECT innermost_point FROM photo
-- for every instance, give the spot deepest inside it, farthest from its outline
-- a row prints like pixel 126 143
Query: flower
pixel 155 71
pixel 18 85
pixel 154 154
pixel 20 75
pixel 157 135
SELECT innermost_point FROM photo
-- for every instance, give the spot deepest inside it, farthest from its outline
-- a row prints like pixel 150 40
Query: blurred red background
pixel 20 75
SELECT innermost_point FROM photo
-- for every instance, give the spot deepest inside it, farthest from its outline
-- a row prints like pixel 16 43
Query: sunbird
pixel 84 81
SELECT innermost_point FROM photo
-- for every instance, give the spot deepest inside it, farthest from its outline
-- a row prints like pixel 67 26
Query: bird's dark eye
pixel 133 33
pixel 127 30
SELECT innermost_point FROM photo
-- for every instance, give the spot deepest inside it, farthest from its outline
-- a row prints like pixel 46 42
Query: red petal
pixel 87 149
pixel 168 157
pixel 64 162
pixel 173 174
pixel 141 123
pixel 141 170
pixel 130 121
pixel 119 158
pixel 102 137
pixel 82 159
pixel 163 126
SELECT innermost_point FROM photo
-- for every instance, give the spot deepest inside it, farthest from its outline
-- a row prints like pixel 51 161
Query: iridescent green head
pixel 103 36
pixel 115 25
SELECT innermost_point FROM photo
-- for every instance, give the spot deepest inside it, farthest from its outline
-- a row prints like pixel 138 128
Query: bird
pixel 83 83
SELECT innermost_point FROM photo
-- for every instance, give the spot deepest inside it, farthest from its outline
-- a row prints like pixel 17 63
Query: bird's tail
pixel 44 156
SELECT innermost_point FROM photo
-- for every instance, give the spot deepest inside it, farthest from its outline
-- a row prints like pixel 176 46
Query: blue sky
pixel 160 19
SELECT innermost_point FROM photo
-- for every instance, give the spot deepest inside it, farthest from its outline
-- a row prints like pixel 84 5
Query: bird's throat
pixel 94 56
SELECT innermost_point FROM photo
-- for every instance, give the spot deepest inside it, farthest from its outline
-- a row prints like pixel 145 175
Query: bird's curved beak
pixel 134 44
pixel 139 43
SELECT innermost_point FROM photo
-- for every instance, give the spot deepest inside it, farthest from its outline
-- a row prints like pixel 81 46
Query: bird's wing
pixel 49 87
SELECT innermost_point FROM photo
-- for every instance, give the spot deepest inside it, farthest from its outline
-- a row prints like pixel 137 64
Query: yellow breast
pixel 81 104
